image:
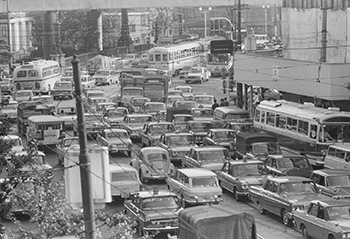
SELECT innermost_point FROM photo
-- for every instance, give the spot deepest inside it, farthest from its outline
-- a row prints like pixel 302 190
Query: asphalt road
pixel 268 226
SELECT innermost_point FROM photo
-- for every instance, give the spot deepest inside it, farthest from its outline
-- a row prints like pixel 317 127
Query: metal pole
pixel 324 35
pixel 205 23
pixel 9 33
pixel 84 162
pixel 266 20
pixel 239 27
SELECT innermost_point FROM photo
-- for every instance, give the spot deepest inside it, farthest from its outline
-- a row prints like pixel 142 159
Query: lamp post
pixel 205 19
pixel 266 7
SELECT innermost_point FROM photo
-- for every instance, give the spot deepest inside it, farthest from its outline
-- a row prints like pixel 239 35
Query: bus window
pixel 281 121
pixel 257 115
pixel 165 57
pixel 313 130
pixel 157 57
pixel 303 127
pixel 151 58
pixel 292 124
pixel 270 118
pixel 21 74
pixel 33 73
pixel 262 117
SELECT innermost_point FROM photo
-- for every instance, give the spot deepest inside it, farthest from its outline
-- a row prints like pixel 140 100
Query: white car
pixel 197 75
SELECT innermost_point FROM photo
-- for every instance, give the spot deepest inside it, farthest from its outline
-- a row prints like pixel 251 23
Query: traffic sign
pixel 221 46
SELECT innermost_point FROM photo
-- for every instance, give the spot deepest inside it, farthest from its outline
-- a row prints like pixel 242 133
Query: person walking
pixel 226 102
pixel 222 103
pixel 215 104
pixel 224 85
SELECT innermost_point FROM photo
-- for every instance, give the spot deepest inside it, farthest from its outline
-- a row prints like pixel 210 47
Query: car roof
pixel 332 172
pixel 10 136
pixel 227 109
pixel 120 167
pixel 222 130
pixel 196 172
pixel 332 202
pixel 281 156
pixel 177 133
pixel 115 130
pixel 209 148
pixel 152 149
pixel 139 115
pixel 160 122
pixel 45 118
pixel 290 179
pixel 151 194
pixel 200 121
pixel 242 161
pixel 181 115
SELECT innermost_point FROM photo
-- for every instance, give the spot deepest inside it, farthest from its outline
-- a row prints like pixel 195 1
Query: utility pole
pixel 238 26
pixel 84 162
pixel 324 33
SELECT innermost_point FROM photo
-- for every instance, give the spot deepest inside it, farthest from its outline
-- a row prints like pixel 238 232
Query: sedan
pixel 291 165
pixel 221 137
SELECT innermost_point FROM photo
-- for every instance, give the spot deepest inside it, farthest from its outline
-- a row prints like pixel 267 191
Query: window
pixel 132 28
pixel 262 120
pixel 281 121
pixel 313 210
pixel 303 127
pixel 292 124
pixel 165 57
pixel 270 118
pixel 313 130
pixel 340 154
pixel 21 74
pixel 257 115
pixel 157 57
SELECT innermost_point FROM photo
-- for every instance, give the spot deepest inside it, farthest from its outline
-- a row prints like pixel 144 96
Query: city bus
pixel 175 57
pixel 38 76
pixel 47 130
pixel 303 128
pixel 218 63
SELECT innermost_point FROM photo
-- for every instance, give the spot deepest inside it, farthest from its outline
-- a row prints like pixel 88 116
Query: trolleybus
pixel 303 128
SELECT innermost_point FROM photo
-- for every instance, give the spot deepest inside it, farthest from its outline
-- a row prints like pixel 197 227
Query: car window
pixel 313 210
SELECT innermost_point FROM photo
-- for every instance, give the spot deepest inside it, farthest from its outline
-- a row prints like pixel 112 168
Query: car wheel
pixel 201 81
pixel 286 221
pixel 129 153
pixel 236 196
pixel 261 208
pixel 305 233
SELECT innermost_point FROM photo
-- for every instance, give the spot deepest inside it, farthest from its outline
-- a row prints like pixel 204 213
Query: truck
pixel 215 221
pixel 98 62
pixel 156 88
pixel 131 87
pixel 27 109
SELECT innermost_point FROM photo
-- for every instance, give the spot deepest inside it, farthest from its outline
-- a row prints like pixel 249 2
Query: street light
pixel 205 19
pixel 266 7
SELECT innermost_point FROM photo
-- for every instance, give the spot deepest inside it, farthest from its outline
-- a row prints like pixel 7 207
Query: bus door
pixel 50 132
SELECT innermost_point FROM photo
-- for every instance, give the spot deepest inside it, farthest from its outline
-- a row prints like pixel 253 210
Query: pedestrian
pixel 225 102
pixel 215 104
pixel 224 85
pixel 222 103
pixel 3 232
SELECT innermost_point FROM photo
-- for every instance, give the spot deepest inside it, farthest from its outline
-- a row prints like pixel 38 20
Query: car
pixel 161 115
pixel 116 140
pixel 153 163
pixel 93 102
pixel 93 124
pixel 63 146
pixel 171 99
pixel 183 72
pixel 187 91
pixel 10 109
pixel 199 129
pixel 239 126
pixel 281 195
pixel 174 92
pixel 105 77
pixel 68 114
pixel 210 157
pixel 204 100
pixel 46 101
pixel 186 104
pixel 133 123
pixel 6 86
pixel 181 118
pixel 114 116
pixel 238 175
pixel 24 95
pixel 152 131
pixel 290 165
pixel 202 113
pixel 153 107
pixel 221 137
pixel 14 142
pixel 62 90
pixel 87 81
pixel 137 103
pixel 324 219
pixel 125 180
pixel 177 144
pixel 159 207
pixel 332 182
pixel 195 186
pixel 197 74
pixel 94 92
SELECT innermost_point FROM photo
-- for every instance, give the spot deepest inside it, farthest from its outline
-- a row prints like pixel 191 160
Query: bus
pixel 218 63
pixel 47 130
pixel 303 128
pixel 175 57
pixel 38 76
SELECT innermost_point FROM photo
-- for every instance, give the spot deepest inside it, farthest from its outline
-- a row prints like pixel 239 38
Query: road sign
pixel 221 46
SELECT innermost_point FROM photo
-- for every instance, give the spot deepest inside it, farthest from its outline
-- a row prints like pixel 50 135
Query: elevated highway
pixel 67 5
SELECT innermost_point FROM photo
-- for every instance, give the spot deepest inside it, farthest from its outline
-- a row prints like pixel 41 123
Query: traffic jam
pixel 181 149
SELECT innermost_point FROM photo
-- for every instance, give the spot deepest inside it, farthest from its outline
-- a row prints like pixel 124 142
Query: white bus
pixel 218 63
pixel 173 58
pixel 38 76
pixel 303 128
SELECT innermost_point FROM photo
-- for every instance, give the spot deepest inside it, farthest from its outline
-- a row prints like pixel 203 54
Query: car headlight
pixel 174 153
pixel 345 235
pixel 244 185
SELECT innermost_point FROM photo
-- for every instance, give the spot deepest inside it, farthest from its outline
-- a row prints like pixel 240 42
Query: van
pixel 337 157
pixel 226 114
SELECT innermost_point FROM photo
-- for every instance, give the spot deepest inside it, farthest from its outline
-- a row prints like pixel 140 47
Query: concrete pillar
pixel 29 33
pixel 23 34
pixel 15 36
pixel 48 36
pixel 94 25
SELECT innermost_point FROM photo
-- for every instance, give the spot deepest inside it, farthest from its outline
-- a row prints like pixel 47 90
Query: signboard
pixel 221 46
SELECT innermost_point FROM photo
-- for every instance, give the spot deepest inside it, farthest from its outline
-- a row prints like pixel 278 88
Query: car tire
pixel 129 153
pixel 261 209
pixel 237 197
pixel 285 219
pixel 305 233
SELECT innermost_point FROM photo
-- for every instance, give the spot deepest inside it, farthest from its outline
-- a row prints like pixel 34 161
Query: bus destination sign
pixel 221 46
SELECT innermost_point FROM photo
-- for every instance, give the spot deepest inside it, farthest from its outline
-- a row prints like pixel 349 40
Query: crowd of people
pixel 223 102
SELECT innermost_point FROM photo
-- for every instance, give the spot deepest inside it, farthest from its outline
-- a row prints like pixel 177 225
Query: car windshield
pixel 298 187
pixel 202 113
pixel 338 180
pixel 180 118
pixel 204 99
pixel 224 135
pixel 161 128
pixel 339 213
pixel 21 94
pixel 185 90
pixel 142 119
pixel 266 148
pixel 10 107
pixel 198 126
pixel 154 107
pixel 232 116
pixel 178 140
pixel 85 79
pixel 175 93
pixel 139 102
pixel 195 70
pixel 117 135
pixel 157 203
pixel 187 104
pixel 174 99
pixel 69 142
pixel 152 157
pixel 15 142
pixel 117 112
pixel 47 100
pixel 250 169
pixel 213 155
pixel 288 163
pixel 96 94
pixel 63 85
pixel 102 73
pixel 123 176
pixel 204 182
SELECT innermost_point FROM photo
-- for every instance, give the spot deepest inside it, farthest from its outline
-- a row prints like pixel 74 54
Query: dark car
pixel 199 129
pixel 333 182
pixel 291 165
pixel 221 137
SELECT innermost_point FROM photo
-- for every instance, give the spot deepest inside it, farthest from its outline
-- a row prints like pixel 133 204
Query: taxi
pixel 153 107
pixel 324 219
pixel 154 211
pixel 116 140
pixel 238 175
pixel 113 116
pixel 195 186
pixel 152 131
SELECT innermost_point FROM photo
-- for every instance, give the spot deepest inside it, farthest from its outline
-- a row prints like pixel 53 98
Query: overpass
pixel 68 5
